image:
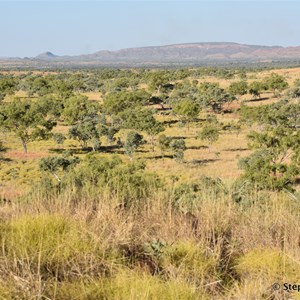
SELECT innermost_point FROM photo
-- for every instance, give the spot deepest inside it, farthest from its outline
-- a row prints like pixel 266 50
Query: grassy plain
pixel 55 248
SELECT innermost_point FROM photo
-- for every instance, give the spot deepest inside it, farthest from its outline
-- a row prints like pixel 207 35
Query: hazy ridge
pixel 177 53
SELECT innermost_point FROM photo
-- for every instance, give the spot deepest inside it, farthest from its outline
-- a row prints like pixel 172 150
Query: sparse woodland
pixel 149 183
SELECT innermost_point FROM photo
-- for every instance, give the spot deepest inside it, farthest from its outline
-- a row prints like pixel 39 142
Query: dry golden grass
pixel 61 249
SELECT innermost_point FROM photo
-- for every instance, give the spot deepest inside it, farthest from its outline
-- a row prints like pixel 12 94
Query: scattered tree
pixel 86 131
pixel 8 86
pixel 187 110
pixel 164 143
pixel 275 83
pixel 209 133
pixel 214 97
pixel 239 88
pixel 275 163
pixel 59 138
pixel 142 120
pixel 55 164
pixel 255 88
pixel 133 141
pixel 77 108
pixel 26 120
pixel 178 146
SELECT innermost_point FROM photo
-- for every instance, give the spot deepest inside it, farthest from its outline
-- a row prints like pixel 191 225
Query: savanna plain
pixel 177 183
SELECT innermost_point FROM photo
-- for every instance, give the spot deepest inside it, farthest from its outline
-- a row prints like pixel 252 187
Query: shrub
pixel 189 196
pixel 124 182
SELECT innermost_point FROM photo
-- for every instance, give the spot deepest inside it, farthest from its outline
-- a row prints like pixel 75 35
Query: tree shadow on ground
pixel 235 149
pixel 201 162
pixel 256 99
pixel 141 151
pixel 170 122
pixel 178 137
pixel 164 109
pixel 297 181
pixel 196 147
pixel 85 150
pixel 159 156
pixel 227 111
pixel 58 150
pixel 71 150
pixel 110 149
pixel 5 159
pixel 198 120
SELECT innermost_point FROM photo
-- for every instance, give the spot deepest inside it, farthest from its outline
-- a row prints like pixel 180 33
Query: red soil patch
pixel 9 193
pixel 22 155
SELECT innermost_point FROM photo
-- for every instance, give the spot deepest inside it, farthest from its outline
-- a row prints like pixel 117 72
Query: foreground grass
pixel 57 248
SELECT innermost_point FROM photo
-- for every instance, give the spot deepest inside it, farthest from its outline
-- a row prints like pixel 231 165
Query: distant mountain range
pixel 178 53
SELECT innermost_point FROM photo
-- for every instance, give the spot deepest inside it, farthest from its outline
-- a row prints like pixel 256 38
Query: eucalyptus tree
pixel 276 83
pixel 210 133
pixel 275 139
pixel 28 120
pixel 57 164
pixel 77 108
pixel 115 103
pixel 238 88
pixel 133 141
pixel 142 119
pixel 187 110
pixel 8 86
pixel 255 88
pixel 86 132
pixel 212 96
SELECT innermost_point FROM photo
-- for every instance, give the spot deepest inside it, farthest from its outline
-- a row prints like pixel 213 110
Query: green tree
pixel 164 143
pixel 57 164
pixel 59 138
pixel 142 120
pixel 133 141
pixel 255 88
pixel 107 129
pixel 86 131
pixel 62 88
pixel 178 146
pixel 36 85
pixel 239 88
pixel 209 133
pixel 77 108
pixel 51 106
pixel 8 86
pixel 213 97
pixel 41 86
pixel 27 120
pixel 275 83
pixel 121 84
pixel 115 103
pixel 157 81
pixel 275 162
pixel 187 110
pixel 159 85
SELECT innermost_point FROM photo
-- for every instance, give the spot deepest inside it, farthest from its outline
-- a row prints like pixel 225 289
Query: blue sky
pixel 76 27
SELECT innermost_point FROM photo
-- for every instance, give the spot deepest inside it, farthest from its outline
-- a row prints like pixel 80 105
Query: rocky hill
pixel 187 52
pixel 177 54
